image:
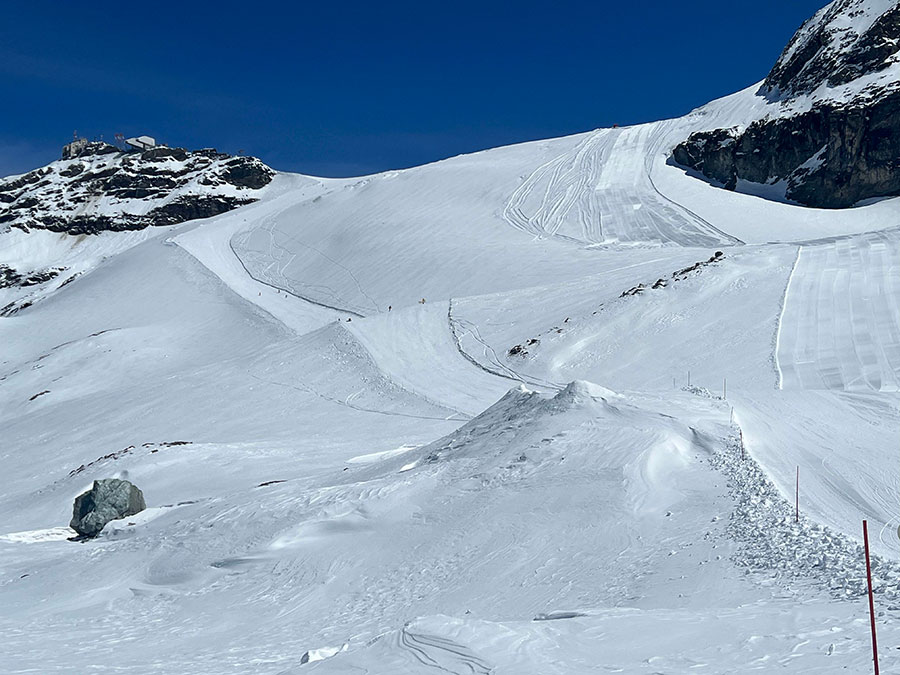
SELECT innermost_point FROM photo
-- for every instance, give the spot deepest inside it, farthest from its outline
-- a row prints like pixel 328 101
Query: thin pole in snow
pixel 871 598
pixel 724 387
pixel 742 445
pixel 797 497
pixel 731 419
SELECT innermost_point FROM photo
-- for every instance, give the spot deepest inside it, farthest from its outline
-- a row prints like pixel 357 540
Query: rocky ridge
pixel 96 187
pixel 830 134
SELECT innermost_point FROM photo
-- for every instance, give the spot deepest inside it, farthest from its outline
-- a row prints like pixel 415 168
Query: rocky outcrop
pixel 96 187
pixel 109 499
pixel 10 277
pixel 830 136
pixel 830 157
pixel 83 147
pixel 844 41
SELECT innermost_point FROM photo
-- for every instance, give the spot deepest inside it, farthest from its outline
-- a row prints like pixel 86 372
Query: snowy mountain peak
pixel 822 130
pixel 97 187
pixel 844 41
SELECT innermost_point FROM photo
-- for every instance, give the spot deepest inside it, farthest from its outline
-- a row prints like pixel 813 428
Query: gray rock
pixel 836 153
pixel 831 156
pixel 828 51
pixel 172 185
pixel 82 147
pixel 109 499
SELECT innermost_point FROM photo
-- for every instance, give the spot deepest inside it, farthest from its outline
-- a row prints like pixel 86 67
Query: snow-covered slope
pixel 538 409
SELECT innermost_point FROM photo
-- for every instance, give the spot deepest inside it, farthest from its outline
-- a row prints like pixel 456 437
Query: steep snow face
pixel 102 188
pixel 844 41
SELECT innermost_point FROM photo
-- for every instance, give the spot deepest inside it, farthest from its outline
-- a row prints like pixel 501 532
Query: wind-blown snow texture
pixel 538 409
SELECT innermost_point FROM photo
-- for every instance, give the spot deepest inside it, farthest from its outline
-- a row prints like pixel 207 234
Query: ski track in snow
pixel 563 190
pixel 461 328
pixel 439 653
pixel 840 328
pixel 277 280
pixel 602 192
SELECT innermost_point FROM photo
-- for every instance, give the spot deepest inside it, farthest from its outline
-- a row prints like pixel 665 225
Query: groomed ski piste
pixel 480 416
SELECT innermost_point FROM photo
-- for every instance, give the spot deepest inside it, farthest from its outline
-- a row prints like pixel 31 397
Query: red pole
pixel 871 599
pixel 797 497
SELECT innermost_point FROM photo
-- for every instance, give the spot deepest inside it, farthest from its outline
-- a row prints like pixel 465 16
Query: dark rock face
pixel 245 172
pixel 830 49
pixel 99 188
pixel 109 499
pixel 10 277
pixel 830 157
pixel 711 153
pixel 838 151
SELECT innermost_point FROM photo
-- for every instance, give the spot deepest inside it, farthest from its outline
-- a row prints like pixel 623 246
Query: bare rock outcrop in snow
pixel 96 187
pixel 829 136
pixel 109 499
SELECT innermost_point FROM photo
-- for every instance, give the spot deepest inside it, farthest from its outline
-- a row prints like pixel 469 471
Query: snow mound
pixel 518 417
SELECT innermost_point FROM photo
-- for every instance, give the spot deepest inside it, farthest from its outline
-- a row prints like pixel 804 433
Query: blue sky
pixel 346 88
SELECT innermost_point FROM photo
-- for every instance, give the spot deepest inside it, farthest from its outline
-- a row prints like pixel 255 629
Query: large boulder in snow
pixel 109 499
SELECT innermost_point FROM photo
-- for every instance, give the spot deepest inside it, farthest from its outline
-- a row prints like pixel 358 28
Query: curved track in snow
pixel 602 192
pixel 558 198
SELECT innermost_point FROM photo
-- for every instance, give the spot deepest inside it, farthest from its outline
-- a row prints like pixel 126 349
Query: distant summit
pixel 829 135
pixel 97 187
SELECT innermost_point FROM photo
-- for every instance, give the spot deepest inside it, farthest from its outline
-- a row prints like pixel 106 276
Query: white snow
pixel 840 328
pixel 344 478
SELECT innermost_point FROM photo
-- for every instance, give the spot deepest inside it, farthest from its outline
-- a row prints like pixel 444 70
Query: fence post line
pixel 871 598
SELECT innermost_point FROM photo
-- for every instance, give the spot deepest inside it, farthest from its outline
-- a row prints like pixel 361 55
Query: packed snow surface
pixel 538 409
